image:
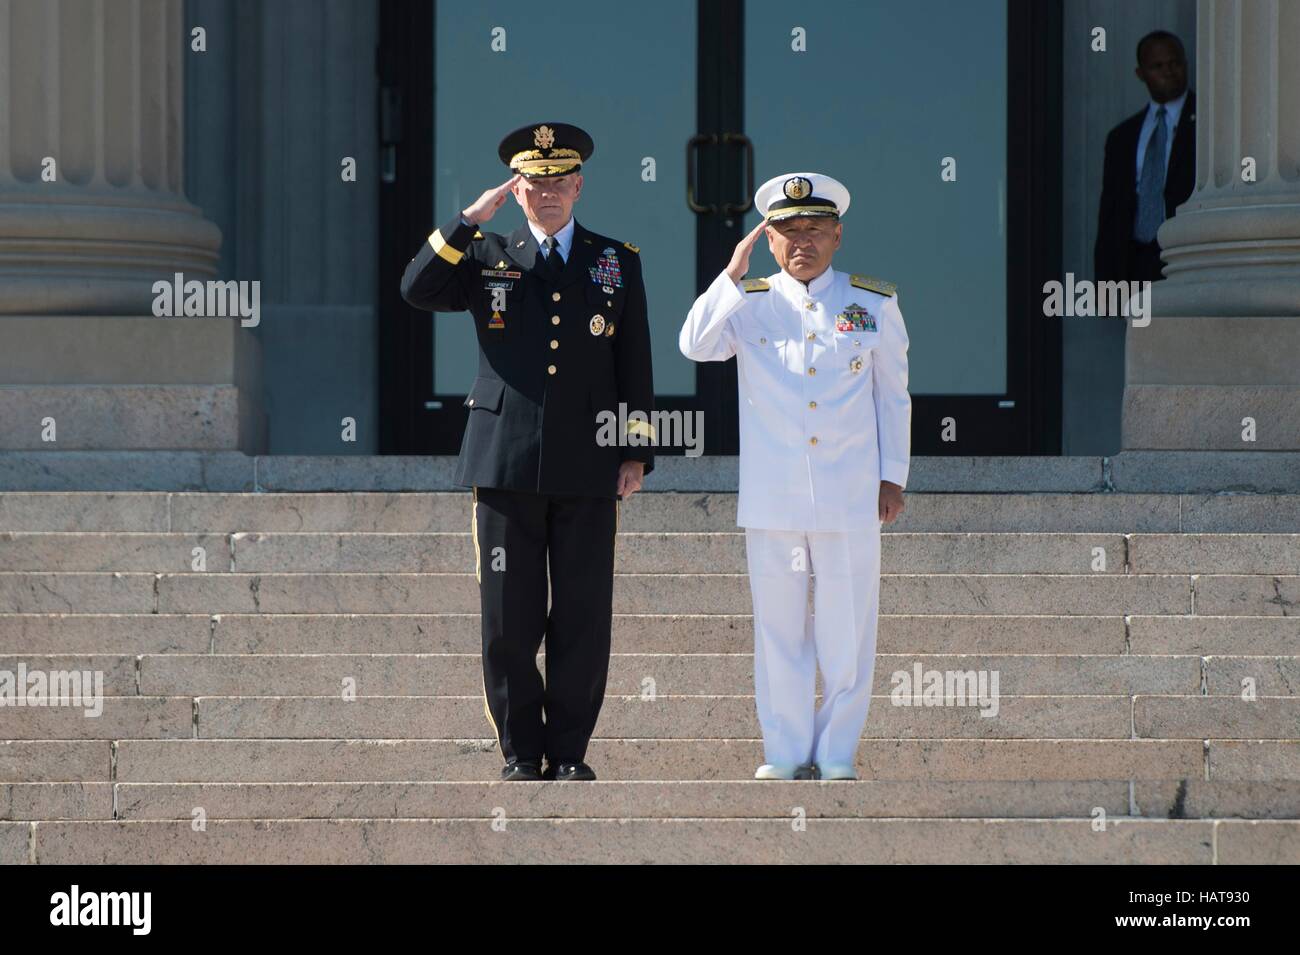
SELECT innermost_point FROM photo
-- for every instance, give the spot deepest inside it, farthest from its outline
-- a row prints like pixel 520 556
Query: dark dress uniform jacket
pixel 548 362
pixel 1112 253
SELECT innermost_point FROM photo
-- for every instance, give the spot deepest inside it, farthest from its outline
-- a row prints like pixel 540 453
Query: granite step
pixel 613 799
pixel 1066 594
pixel 1172 635
pixel 696 674
pixel 664 717
pixel 796 839
pixel 647 553
pixel 477 759
pixel 673 674
pixel 216 512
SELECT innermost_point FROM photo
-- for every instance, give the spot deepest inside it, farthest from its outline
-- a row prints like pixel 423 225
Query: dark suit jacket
pixel 1112 254
pixel 531 428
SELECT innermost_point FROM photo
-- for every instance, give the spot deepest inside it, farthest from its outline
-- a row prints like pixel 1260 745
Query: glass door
pixel 883 94
pixel 630 76
pixel 914 106
pixel 688 104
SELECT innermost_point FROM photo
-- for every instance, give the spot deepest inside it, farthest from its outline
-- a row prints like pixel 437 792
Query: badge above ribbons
pixel 854 318
pixel 607 271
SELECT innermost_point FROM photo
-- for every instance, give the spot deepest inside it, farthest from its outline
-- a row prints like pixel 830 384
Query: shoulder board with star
pixel 755 285
pixel 879 286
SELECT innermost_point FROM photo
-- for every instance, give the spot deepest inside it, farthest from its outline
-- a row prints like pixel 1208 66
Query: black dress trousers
pixel 516 535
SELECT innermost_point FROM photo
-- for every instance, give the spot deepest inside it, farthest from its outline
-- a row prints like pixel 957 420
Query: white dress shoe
pixel 837 771
pixel 768 771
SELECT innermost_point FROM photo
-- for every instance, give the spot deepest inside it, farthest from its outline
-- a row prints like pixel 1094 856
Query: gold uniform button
pixel 813 439
pixel 812 404
pixel 809 305
pixel 554 343
pixel 812 371
pixel 762 341
pixel 555 319
pixel 471 402
pixel 550 369
pixel 812 336
pixel 609 302
pixel 555 296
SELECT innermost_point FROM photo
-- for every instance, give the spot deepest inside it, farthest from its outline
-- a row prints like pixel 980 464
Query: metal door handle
pixel 692 153
pixel 748 144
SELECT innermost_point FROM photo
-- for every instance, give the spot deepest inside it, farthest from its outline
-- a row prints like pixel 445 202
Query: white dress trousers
pixel 791 640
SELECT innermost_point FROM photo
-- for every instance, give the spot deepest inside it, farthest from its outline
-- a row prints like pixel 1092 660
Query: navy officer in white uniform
pixel 825 447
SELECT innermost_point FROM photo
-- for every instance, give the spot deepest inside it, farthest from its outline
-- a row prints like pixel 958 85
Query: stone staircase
pixel 228 734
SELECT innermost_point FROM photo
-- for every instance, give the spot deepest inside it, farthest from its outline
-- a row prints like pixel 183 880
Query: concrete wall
pixel 283 93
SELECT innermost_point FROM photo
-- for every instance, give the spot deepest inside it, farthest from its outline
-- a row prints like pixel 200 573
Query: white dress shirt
pixel 824 414
pixel 1173 110
pixel 563 238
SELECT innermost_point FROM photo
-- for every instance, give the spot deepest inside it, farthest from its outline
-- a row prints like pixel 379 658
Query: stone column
pixel 1224 341
pixel 92 213
pixel 92 206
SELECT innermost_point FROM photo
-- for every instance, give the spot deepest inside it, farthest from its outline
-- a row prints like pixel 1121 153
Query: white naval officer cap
pixel 801 194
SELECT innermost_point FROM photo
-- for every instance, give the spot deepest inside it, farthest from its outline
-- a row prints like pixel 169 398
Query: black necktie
pixel 554 261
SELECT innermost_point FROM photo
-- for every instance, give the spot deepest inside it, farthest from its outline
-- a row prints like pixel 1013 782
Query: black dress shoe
pixel 567 772
pixel 522 770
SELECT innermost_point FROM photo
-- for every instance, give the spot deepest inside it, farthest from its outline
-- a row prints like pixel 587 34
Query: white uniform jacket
pixel 824 410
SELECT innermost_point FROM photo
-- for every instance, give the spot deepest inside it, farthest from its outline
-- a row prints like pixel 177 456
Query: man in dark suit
pixel 563 346
pixel 1150 166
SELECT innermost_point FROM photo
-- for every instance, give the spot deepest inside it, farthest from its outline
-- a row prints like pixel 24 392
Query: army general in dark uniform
pixel 560 316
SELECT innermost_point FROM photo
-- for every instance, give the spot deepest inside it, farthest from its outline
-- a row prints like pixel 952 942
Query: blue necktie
pixel 1151 184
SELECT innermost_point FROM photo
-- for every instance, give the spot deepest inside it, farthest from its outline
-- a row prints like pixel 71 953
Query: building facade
pixel 309 147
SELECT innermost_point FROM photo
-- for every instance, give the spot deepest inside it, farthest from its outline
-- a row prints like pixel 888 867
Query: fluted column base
pixel 1234 255
pixel 94 253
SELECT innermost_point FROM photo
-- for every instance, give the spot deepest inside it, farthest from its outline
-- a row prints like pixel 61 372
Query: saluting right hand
pixel 486 205
pixel 739 263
